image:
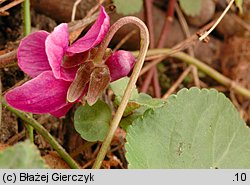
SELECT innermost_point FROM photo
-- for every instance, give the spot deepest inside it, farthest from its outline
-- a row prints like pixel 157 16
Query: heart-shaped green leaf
pixel 194 129
pixel 92 122
pixel 22 155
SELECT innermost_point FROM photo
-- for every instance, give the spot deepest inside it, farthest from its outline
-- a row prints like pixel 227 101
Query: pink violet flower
pixel 53 65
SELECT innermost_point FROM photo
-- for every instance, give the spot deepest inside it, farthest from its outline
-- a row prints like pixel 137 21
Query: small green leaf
pixel 144 102
pixel 128 6
pixel 119 86
pixel 92 122
pixel 239 5
pixel 23 155
pixel 191 7
pixel 137 105
pixel 128 120
pixel 194 129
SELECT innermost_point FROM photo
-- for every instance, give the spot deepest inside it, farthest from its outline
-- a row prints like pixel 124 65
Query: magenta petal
pixel 68 74
pixel 56 45
pixel 62 111
pixel 120 64
pixel 94 36
pixel 43 94
pixel 32 58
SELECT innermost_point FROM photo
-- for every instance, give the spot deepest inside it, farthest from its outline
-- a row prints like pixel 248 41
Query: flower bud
pixel 120 64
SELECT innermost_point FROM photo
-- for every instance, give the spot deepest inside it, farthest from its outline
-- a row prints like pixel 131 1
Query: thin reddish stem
pixel 149 21
pixel 153 74
pixel 156 84
pixel 167 24
pixel 161 42
pixel 147 81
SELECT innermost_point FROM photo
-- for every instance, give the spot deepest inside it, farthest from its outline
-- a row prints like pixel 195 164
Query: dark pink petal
pixel 120 64
pixel 42 94
pixel 62 111
pixel 31 55
pixel 56 46
pixel 94 36
pixel 68 74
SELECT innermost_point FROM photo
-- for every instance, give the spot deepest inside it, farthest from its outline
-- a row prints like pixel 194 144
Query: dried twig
pixel 74 9
pixel 1 1
pixel 217 21
pixel 149 21
pixel 16 138
pixel 10 5
pixel 153 72
pixel 177 48
pixel 187 33
pixel 227 82
pixel 8 58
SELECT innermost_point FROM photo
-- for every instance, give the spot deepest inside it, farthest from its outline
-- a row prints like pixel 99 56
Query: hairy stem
pixel 41 130
pixel 142 54
pixel 203 67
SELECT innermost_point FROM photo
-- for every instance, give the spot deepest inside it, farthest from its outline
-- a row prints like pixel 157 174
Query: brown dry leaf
pixel 9 126
pixel 75 34
pixel 55 161
pixel 3 147
pixel 235 63
pixel 235 60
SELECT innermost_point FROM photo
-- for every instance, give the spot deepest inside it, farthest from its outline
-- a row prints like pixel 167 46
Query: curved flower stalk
pixel 63 74
pixel 144 43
